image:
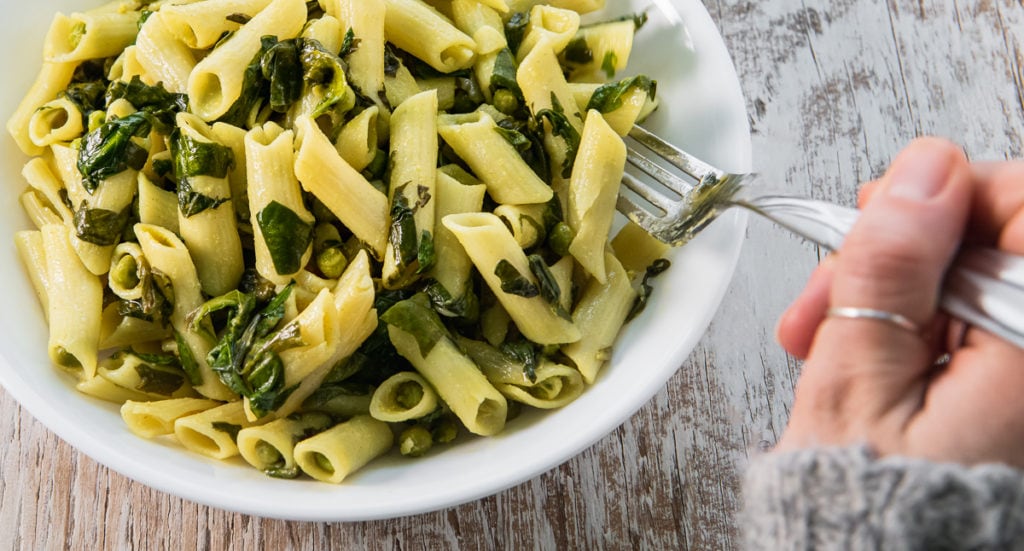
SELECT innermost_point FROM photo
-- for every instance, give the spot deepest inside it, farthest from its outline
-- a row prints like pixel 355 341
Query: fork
pixel 984 286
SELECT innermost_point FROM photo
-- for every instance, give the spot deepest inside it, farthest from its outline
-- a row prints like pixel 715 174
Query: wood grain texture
pixel 834 88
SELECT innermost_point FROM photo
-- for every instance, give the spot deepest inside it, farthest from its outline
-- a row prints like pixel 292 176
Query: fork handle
pixel 823 223
pixel 984 286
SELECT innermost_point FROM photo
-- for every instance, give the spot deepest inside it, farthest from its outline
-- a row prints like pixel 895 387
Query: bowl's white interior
pixel 702 110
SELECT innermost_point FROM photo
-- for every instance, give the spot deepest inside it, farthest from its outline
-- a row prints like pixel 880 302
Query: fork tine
pixel 658 172
pixel 635 212
pixel 677 157
pixel 643 190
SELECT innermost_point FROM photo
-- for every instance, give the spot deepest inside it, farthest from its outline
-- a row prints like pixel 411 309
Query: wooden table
pixel 834 88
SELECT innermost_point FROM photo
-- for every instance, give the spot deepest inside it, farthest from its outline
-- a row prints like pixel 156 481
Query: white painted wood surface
pixel 834 88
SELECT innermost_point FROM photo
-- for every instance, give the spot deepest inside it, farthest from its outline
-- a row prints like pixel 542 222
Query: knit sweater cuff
pixel 846 498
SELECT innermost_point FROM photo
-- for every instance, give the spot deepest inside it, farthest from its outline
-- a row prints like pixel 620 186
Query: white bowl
pixel 702 110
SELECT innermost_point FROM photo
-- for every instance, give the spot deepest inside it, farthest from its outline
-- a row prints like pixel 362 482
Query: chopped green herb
pixel 281 66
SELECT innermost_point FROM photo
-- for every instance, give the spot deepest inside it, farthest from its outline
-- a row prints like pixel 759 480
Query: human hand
pixel 872 382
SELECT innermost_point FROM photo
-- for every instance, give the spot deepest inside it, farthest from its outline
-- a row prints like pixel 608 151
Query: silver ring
pixel 898 320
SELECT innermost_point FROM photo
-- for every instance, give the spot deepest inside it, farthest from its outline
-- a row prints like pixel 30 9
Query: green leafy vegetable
pixel 426 256
pixel 415 316
pixel 230 428
pixel 326 72
pixel 193 157
pixel 402 236
pixel 109 149
pixel 609 97
pixel 87 96
pixel 548 285
pixel 287 236
pixel 577 51
pixel 281 66
pixel 466 306
pixel 349 44
pixel 504 75
pixel 158 381
pixel 100 226
pixel 515 29
pixel 246 355
pixel 513 282
pixel 254 88
pixel 560 126
pixel 156 303
pixel 240 18
pixel 523 353
pixel 155 100
pixel 188 360
pixel 611 59
pixel 656 268
pixel 192 202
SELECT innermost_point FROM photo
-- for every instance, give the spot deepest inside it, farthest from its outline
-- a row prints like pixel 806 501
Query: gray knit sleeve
pixel 844 498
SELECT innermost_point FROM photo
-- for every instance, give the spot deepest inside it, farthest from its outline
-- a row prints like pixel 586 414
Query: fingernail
pixel 920 173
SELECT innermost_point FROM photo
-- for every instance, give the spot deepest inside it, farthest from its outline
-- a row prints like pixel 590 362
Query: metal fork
pixel 984 287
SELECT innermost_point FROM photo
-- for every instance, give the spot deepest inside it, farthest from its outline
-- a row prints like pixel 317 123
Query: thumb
pixel 893 260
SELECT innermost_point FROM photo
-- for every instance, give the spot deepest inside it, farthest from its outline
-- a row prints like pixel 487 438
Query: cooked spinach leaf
pixel 158 381
pixel 513 282
pixel 577 51
pixel 515 29
pixel 87 96
pixel 325 71
pixel 246 355
pixel 402 236
pixel 547 285
pixel 426 256
pixel 109 149
pixel 287 236
pixel 656 268
pixel 466 306
pixel 415 316
pixel 504 75
pixel 100 226
pixel 523 353
pixel 230 428
pixel 155 305
pixel 254 88
pixel 281 67
pixel 156 100
pixel 609 97
pixel 188 360
pixel 611 59
pixel 560 126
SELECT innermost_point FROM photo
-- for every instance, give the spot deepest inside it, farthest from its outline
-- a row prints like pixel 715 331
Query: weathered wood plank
pixel 834 89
